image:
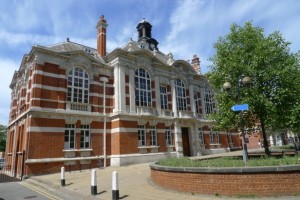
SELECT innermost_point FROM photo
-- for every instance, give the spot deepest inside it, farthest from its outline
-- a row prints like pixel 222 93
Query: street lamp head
pixel 246 80
pixel 227 85
pixel 104 79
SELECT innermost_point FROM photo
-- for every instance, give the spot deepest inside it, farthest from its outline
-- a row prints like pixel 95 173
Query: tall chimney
pixel 196 64
pixel 101 36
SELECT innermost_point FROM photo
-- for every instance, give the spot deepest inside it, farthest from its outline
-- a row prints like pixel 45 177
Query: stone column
pixel 178 139
pixel 116 88
pixel 122 91
pixel 132 91
pixel 192 100
pixel 119 85
pixel 157 95
pixel 174 103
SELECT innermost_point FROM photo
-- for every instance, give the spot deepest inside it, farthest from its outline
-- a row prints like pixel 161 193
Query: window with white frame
pixel 163 97
pixel 197 100
pixel 85 136
pixel 153 136
pixel 69 136
pixel 168 136
pixel 180 95
pixel 217 136
pixel 78 85
pixel 208 101
pixel 201 137
pixel 141 136
pixel 142 88
pixel 211 138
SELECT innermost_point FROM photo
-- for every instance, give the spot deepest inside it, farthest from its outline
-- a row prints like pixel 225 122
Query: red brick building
pixel 73 105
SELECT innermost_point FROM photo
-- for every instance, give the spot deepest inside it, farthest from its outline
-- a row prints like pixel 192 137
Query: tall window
pixel 142 88
pixel 197 100
pixel 180 95
pixel 208 100
pixel 141 136
pixel 85 136
pixel 163 97
pixel 211 138
pixel 201 138
pixel 78 85
pixel 217 135
pixel 69 136
pixel 168 136
pixel 153 138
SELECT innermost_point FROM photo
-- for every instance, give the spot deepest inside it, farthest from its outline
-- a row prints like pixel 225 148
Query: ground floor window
pixel 168 136
pixel 85 136
pixel 211 138
pixel 69 136
pixel 153 137
pixel 217 135
pixel 141 136
pixel 201 138
pixel 214 137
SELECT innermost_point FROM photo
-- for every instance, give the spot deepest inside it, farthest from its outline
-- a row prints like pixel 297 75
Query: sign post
pixel 240 108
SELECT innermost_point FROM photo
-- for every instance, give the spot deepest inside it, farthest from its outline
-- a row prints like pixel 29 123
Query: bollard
pixel 115 186
pixel 62 177
pixel 93 183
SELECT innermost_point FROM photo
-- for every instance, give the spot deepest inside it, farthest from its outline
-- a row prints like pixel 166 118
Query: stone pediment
pixel 183 67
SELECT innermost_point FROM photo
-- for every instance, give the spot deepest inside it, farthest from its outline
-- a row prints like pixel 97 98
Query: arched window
pixel 78 85
pixel 180 95
pixel 142 88
pixel 208 101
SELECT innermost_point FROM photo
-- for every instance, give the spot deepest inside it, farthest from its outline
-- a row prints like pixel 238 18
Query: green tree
pixel 2 137
pixel 274 91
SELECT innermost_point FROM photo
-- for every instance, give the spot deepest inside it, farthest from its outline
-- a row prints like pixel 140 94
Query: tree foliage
pixel 2 137
pixel 274 92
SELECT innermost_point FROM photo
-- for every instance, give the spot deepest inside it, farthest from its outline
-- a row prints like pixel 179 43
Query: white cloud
pixel 8 68
pixel 196 25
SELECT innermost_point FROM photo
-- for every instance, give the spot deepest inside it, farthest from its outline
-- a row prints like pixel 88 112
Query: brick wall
pixel 230 184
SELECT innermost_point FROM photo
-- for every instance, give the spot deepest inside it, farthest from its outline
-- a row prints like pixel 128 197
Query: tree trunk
pixel 266 143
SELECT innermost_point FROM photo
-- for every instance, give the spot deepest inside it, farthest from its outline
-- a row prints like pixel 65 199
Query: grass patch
pixel 283 147
pixel 229 162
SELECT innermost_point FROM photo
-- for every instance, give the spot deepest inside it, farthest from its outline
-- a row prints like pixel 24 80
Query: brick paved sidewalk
pixel 134 184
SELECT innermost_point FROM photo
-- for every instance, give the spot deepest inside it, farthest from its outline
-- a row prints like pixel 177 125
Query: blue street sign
pixel 240 107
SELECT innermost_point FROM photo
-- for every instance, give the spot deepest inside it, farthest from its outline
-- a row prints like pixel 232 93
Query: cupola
pixel 144 29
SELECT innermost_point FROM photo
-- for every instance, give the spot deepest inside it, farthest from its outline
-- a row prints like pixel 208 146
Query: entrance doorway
pixel 185 141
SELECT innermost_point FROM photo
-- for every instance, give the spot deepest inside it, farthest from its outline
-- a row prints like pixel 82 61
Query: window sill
pixel 148 147
pixel 82 150
pixel 69 150
pixel 142 147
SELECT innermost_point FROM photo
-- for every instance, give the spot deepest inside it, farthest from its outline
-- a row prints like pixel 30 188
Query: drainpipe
pixel 104 80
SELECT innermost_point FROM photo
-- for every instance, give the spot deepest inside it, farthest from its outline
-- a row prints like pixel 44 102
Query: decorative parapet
pixel 185 114
pixel 145 111
pixel 79 106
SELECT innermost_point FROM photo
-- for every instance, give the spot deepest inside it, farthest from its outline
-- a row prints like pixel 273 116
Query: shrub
pixel 229 162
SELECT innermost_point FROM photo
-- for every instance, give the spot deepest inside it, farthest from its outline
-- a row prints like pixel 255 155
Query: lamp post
pixel 104 81
pixel 227 86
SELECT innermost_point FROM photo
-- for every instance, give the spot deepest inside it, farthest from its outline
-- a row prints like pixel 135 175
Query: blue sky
pixel 183 27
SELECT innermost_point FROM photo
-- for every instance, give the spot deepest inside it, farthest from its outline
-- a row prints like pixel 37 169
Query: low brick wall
pixel 239 181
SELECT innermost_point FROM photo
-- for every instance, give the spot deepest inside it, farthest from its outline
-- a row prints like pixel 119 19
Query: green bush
pixel 229 162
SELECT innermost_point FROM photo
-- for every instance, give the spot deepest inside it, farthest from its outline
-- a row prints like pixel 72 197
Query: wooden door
pixel 185 141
